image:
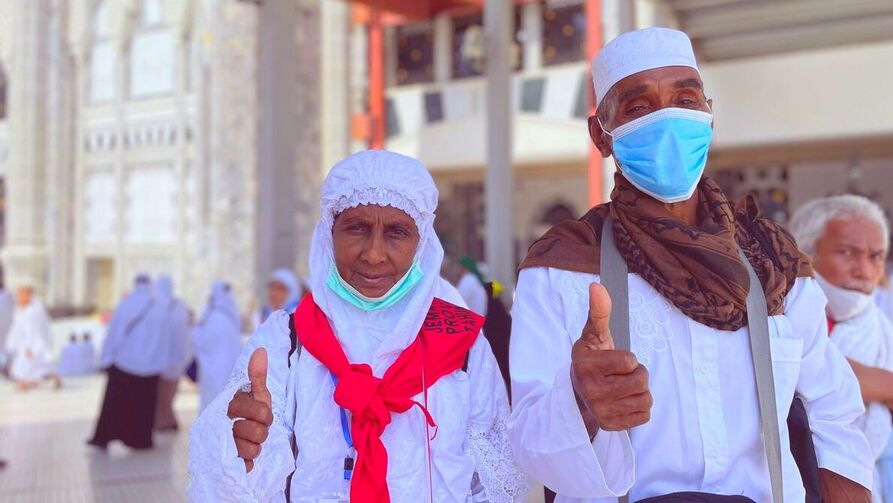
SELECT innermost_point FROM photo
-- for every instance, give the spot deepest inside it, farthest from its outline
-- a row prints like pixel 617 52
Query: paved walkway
pixel 42 435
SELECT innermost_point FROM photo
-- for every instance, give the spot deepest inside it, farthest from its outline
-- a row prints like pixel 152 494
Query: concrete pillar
pixel 25 253
pixel 62 112
pixel 230 240
pixel 532 25
pixel 499 181
pixel 78 32
pixel 335 85
pixel 443 48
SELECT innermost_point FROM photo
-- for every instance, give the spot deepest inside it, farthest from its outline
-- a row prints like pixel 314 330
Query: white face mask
pixel 844 304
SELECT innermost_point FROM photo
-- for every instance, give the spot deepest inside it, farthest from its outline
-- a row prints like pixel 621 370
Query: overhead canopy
pixel 417 10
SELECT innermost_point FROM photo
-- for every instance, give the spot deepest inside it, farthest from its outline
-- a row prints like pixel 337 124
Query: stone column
pixel 179 16
pixel 60 158
pixel 78 32
pixel 25 254
pixel 230 238
pixel 308 135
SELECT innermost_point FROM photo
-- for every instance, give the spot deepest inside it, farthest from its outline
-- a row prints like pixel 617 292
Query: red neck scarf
pixel 440 349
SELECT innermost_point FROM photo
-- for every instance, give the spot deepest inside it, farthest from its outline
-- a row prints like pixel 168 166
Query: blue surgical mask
pixel 351 295
pixel 664 153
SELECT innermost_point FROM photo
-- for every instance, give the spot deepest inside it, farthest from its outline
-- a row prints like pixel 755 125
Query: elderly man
pixel 847 237
pixel 591 421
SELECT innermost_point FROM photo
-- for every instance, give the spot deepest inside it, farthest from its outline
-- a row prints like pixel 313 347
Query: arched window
pixel 103 63
pixel 556 214
pixel 152 53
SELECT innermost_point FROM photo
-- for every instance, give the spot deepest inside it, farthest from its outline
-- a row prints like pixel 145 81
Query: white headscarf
pixel 221 300
pixel 377 177
pixel 291 283
pixel 129 309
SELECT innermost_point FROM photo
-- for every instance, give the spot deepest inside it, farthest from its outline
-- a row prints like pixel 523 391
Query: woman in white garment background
pixel 375 266
pixel 135 353
pixel 217 341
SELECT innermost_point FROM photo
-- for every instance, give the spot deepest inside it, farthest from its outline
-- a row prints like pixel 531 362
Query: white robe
pixel 868 339
pixel 77 359
pixel 30 333
pixel 217 341
pixel 180 340
pixel 136 342
pixel 470 410
pixel 883 297
pixel 473 292
pixel 704 432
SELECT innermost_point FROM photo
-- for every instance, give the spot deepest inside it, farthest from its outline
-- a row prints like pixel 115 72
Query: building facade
pixel 165 137
pixel 781 77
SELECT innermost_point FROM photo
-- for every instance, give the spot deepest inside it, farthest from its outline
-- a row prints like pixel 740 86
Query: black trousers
pixel 128 410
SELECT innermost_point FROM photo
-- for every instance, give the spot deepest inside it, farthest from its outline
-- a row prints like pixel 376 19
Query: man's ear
pixel 599 138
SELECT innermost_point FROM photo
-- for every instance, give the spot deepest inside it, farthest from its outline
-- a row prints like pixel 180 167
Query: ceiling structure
pixel 729 29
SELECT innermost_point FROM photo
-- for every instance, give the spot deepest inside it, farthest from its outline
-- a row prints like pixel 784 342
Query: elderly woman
pixel 379 387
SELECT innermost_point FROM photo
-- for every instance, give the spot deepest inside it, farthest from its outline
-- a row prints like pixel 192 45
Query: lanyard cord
pixel 345 430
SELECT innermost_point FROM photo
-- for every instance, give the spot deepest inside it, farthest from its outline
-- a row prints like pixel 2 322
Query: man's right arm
pixel 546 428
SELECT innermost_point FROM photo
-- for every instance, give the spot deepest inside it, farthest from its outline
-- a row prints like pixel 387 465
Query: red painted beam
pixel 593 44
pixel 378 132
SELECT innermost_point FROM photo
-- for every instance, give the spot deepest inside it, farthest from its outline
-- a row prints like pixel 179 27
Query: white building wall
pixel 831 93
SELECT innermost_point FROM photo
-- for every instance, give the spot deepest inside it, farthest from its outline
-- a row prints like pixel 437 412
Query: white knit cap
pixel 637 51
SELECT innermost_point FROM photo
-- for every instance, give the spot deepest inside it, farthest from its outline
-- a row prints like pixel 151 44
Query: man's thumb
pixel 257 374
pixel 597 332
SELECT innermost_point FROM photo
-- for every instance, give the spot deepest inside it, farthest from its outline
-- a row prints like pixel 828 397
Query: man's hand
pixel 254 409
pixel 611 386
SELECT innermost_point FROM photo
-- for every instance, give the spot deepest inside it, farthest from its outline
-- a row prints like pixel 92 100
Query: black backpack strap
pixel 293 336
pixel 295 346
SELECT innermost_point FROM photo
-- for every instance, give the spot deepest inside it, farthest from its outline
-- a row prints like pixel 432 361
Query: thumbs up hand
pixel 610 385
pixel 253 409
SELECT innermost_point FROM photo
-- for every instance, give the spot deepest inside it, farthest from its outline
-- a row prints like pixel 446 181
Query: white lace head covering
pixel 377 177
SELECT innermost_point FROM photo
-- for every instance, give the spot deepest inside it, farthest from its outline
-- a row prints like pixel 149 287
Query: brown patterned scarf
pixel 696 268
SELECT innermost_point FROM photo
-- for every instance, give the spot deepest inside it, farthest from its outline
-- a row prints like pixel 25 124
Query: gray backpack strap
pixel 760 350
pixel 615 277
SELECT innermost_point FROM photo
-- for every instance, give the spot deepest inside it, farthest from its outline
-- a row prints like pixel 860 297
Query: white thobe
pixel 473 293
pixel 704 432
pixel 471 459
pixel 30 343
pixel 868 339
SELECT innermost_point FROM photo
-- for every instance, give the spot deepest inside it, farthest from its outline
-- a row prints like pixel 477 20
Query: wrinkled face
pixel 24 295
pixel 643 93
pixel 277 294
pixel 851 254
pixel 374 247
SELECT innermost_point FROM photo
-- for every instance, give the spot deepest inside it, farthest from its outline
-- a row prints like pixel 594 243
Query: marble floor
pixel 42 435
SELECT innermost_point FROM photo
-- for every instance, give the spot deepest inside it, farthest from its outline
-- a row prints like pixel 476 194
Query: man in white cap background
pixel 847 238
pixel 680 408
